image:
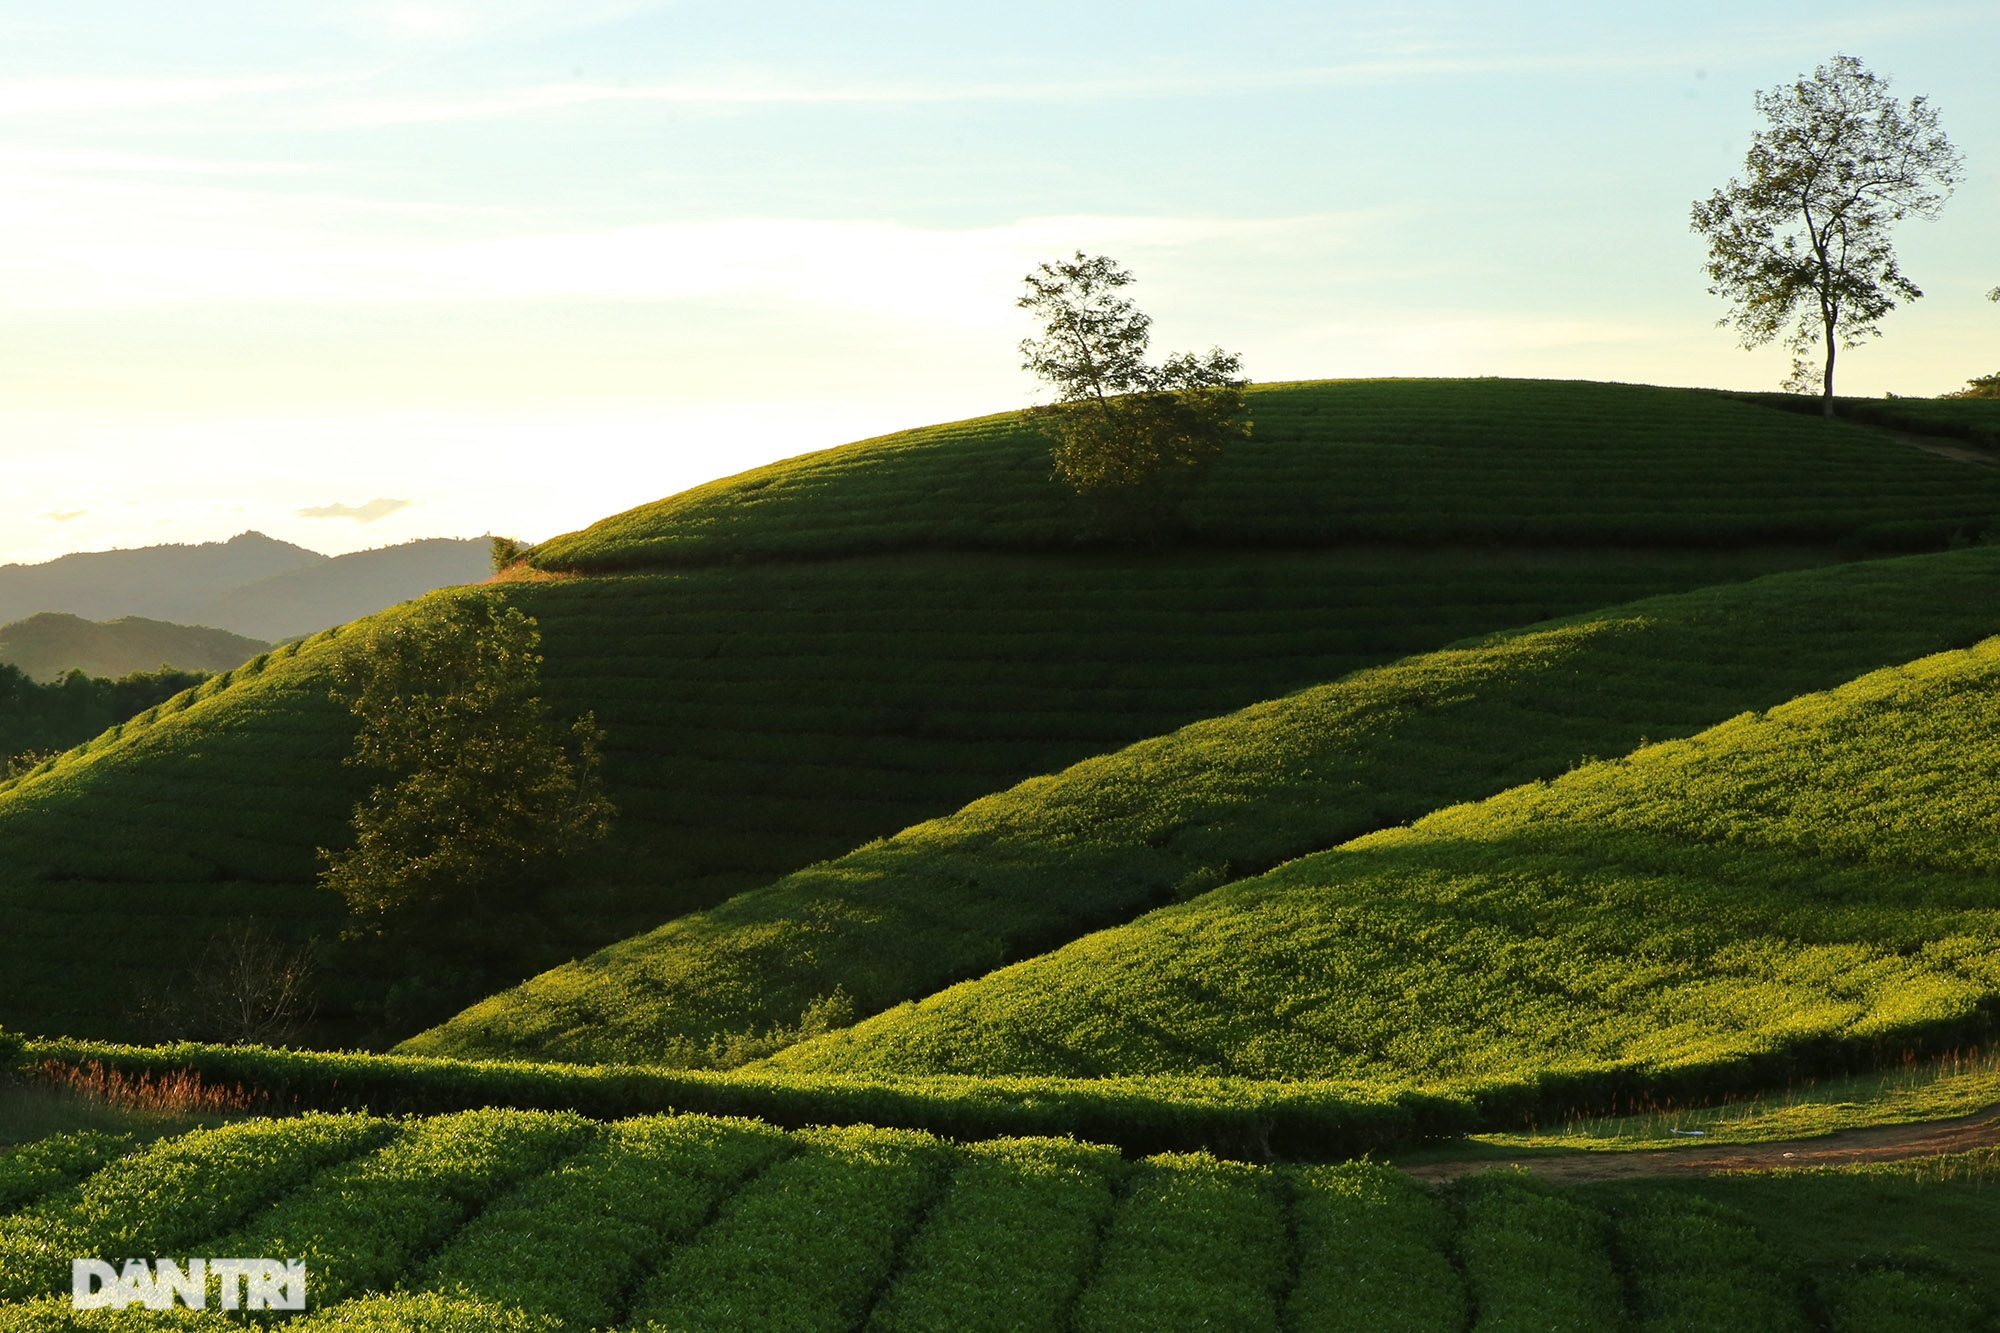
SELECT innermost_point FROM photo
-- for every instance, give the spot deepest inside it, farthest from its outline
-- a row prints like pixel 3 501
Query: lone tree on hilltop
pixel 1128 437
pixel 484 791
pixel 1800 245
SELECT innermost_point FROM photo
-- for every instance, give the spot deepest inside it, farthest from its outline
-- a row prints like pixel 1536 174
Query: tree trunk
pixel 1826 399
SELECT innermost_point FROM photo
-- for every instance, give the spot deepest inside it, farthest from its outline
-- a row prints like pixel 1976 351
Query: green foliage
pixel 1195 1243
pixel 759 720
pixel 10 1051
pixel 1696 1265
pixel 766 717
pixel 39 720
pixel 1535 1260
pixel 570 1244
pixel 361 1225
pixel 508 552
pixel 171 1196
pixel 1784 891
pixel 1250 1119
pixel 805 1245
pixel 1129 437
pixel 746 1228
pixel 1420 463
pixel 1026 869
pixel 1800 247
pixel 484 791
pixel 1871 1298
pixel 1011 1243
pixel 1979 386
pixel 1374 1254
pixel 424 1312
pixel 38 1168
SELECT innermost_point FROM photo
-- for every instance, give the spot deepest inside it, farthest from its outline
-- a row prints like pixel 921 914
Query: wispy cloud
pixel 227 254
pixel 380 507
pixel 65 515
pixel 24 97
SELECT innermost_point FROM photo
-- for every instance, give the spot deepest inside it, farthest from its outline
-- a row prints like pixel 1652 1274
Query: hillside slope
pixel 1815 883
pixel 46 645
pixel 767 714
pixel 758 720
pixel 1399 461
pixel 1027 869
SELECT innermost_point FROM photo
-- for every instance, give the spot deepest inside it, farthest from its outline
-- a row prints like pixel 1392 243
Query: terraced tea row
pixel 691 1223
pixel 1812 885
pixel 1030 868
pixel 758 720
pixel 1407 461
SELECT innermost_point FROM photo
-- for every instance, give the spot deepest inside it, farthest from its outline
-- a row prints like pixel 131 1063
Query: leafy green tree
pixel 485 792
pixel 507 551
pixel 1800 244
pixel 1128 437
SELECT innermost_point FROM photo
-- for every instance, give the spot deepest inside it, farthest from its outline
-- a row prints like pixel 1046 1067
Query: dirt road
pixel 1884 1143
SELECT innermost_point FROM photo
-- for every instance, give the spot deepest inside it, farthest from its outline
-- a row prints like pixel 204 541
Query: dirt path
pixel 1964 453
pixel 1883 1143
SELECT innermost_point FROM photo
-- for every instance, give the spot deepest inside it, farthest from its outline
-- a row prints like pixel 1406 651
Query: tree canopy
pixel 1800 244
pixel 1127 436
pixel 484 789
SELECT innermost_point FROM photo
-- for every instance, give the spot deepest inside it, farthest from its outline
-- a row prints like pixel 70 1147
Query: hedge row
pixel 1240 1119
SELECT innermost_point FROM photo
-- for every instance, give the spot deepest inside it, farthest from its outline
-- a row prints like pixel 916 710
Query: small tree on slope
pixel 484 790
pixel 1129 438
pixel 1800 246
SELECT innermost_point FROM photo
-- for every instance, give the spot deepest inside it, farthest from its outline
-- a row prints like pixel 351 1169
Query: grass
pixel 1032 867
pixel 714 1223
pixel 1331 462
pixel 57 1097
pixel 1783 892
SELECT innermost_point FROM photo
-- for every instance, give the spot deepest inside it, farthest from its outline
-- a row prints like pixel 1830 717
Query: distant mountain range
pixel 48 643
pixel 250 585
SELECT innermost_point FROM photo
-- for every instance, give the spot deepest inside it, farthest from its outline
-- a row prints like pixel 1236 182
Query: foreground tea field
pixel 1818 883
pixel 505 1220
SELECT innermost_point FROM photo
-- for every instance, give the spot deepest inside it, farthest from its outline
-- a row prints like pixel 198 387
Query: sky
pixel 351 273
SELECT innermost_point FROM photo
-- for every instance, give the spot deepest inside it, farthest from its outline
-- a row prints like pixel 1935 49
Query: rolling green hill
pixel 46 645
pixel 506 1221
pixel 1027 869
pixel 1793 888
pixel 1421 462
pixel 758 720
pixel 766 713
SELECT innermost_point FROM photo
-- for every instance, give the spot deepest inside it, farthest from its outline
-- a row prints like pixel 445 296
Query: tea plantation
pixel 1023 871
pixel 1808 884
pixel 1009 929
pixel 504 1220
pixel 771 703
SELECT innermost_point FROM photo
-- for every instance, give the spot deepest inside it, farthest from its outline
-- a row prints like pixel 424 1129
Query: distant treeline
pixel 37 720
